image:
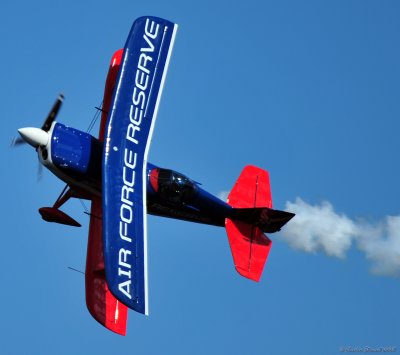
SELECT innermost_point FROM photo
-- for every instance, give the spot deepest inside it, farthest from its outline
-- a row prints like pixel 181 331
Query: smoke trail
pixel 223 195
pixel 319 228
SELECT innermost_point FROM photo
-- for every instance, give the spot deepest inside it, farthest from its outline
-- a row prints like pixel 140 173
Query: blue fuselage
pixel 76 157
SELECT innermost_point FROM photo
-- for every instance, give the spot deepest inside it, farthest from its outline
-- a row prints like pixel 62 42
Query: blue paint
pixel 70 148
pixel 128 132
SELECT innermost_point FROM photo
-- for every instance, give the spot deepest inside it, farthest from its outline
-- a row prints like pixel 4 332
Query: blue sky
pixel 307 90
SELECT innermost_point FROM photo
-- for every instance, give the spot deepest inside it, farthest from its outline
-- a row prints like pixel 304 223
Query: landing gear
pixel 54 214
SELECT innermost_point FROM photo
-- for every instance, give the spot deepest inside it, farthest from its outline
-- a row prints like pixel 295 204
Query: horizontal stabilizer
pixel 252 189
pixel 249 247
pixel 252 216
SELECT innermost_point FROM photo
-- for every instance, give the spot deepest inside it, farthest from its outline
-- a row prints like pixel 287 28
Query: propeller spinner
pixel 38 136
pixel 34 136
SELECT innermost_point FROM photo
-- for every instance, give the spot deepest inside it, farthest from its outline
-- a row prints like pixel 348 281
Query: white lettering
pixel 130 161
pixel 130 182
pixel 141 80
pixel 123 258
pixel 136 120
pixel 151 32
pixel 143 75
pixel 124 233
pixel 130 133
pixel 142 65
pixel 128 208
pixel 125 288
pixel 125 195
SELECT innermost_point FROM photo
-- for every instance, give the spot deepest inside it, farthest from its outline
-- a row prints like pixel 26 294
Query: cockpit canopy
pixel 172 186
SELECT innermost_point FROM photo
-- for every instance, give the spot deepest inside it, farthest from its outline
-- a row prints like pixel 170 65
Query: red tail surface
pixel 249 246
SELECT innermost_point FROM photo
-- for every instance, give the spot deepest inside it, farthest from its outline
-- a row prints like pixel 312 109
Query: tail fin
pixel 253 215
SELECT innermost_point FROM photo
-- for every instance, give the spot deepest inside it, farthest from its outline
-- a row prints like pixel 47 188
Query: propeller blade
pixel 16 142
pixel 53 113
pixel 40 171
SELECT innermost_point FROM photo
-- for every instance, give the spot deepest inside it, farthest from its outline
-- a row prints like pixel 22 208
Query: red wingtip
pixel 102 305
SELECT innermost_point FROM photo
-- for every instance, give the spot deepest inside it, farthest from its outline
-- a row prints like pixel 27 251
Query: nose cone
pixel 34 136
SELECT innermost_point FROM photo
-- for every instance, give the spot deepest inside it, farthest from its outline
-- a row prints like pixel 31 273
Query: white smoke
pixel 223 195
pixel 320 228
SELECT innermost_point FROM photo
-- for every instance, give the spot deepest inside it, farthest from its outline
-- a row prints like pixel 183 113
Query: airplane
pixel 112 172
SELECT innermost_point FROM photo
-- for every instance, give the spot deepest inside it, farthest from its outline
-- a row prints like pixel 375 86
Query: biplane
pixel 112 172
